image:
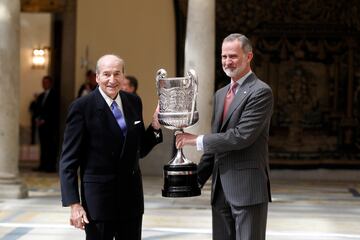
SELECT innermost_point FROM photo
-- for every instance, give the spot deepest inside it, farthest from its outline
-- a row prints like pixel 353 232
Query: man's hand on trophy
pixel 155 120
pixel 183 138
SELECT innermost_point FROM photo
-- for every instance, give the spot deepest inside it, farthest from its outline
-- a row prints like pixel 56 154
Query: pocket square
pixel 137 122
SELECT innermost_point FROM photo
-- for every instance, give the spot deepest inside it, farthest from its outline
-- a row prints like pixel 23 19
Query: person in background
pixel 104 139
pixel 236 152
pixel 129 84
pixel 46 119
pixel 33 110
pixel 89 85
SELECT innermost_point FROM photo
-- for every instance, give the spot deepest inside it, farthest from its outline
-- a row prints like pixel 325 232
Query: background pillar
pixel 10 184
pixel 200 56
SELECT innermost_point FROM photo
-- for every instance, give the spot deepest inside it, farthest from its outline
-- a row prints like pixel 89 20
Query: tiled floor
pixel 302 210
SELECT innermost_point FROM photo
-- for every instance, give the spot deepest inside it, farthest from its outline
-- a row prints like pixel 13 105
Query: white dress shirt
pixel 109 101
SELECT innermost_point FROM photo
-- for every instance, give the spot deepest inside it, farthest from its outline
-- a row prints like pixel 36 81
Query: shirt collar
pixel 109 100
pixel 242 79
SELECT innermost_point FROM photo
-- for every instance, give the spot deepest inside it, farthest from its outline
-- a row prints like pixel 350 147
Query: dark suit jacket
pixel 111 185
pixel 48 109
pixel 237 149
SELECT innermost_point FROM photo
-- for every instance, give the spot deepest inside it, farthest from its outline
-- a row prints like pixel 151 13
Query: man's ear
pixel 249 56
pixel 97 78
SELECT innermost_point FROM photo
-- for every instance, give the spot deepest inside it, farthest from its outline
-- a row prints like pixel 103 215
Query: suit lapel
pixel 130 116
pixel 219 107
pixel 239 97
pixel 128 111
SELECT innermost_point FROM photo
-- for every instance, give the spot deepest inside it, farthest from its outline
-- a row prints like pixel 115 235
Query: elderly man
pixel 104 138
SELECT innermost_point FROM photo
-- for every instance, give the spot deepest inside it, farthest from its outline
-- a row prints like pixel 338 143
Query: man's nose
pixel 112 78
pixel 227 62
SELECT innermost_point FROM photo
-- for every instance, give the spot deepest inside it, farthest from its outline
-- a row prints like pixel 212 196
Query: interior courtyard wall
pixel 141 33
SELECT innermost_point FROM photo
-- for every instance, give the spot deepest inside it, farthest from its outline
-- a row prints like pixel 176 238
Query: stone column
pixel 200 56
pixel 10 184
pixel 68 52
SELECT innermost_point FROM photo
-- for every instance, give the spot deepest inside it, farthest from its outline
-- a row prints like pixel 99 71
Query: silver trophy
pixel 177 102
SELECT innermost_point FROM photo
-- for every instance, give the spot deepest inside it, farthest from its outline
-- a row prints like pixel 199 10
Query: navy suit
pixel 111 184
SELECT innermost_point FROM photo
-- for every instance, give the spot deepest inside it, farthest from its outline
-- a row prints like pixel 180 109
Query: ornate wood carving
pixel 248 15
pixel 308 52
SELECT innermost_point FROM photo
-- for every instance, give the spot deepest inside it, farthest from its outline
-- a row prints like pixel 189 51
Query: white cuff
pixel 199 143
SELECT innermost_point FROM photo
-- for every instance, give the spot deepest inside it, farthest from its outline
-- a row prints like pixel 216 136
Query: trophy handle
pixel 194 80
pixel 161 73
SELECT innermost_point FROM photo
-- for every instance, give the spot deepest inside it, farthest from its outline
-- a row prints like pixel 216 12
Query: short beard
pixel 234 73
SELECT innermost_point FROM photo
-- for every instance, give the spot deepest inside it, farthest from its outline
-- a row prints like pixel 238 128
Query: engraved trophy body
pixel 177 103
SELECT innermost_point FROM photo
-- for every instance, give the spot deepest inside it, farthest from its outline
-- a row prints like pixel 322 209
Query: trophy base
pixel 180 181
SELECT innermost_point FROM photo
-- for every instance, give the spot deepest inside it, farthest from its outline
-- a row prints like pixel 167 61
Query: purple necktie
pixel 119 117
pixel 229 98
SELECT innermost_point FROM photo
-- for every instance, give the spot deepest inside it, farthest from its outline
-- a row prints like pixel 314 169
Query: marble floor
pixel 301 210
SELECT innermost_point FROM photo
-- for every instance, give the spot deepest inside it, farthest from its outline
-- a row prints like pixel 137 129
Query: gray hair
pixel 116 57
pixel 245 42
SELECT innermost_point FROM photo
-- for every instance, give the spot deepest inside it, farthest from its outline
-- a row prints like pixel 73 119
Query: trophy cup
pixel 177 103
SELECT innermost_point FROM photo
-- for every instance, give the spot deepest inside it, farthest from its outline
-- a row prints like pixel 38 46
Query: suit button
pixel 112 153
